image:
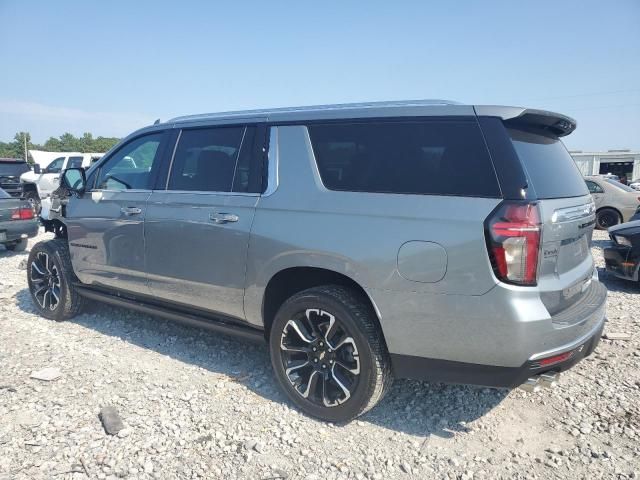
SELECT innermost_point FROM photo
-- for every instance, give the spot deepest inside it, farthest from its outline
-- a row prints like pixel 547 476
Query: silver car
pixel 615 202
pixel 362 242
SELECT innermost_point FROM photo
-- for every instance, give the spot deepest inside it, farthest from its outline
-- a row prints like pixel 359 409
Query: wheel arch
pixel 30 187
pixel 289 281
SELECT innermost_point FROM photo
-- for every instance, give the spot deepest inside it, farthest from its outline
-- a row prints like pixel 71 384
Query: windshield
pixel 619 185
pixel 13 168
pixel 551 170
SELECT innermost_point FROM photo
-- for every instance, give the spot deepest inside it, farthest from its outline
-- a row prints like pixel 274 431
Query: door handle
pixel 223 217
pixel 131 211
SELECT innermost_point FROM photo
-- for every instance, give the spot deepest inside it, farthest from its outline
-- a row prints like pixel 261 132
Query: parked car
pixel 622 258
pixel 10 171
pixel 615 203
pixel 39 183
pixel 340 236
pixel 17 222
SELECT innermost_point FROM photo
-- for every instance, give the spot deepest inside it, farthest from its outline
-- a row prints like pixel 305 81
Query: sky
pixel 111 67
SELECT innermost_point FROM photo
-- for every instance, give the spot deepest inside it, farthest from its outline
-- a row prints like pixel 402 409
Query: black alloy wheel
pixel 320 358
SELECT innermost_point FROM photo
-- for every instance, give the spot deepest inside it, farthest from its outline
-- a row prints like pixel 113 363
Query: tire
pixel 607 217
pixel 56 277
pixel 19 246
pixel 348 372
pixel 34 199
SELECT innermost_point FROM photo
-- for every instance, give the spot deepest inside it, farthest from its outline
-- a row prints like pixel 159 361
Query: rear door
pixel 567 214
pixel 596 192
pixel 105 226
pixel 197 229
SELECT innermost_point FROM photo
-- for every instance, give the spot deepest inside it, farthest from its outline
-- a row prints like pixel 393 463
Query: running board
pixel 208 323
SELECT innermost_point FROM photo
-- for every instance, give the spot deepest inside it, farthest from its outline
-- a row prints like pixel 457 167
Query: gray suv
pixel 363 242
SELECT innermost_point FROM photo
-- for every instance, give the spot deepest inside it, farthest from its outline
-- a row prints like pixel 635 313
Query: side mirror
pixel 74 180
pixel 36 168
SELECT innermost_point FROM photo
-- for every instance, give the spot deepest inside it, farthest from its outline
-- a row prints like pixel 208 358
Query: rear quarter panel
pixel 359 234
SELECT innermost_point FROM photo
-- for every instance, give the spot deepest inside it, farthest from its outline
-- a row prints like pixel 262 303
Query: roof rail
pixel 315 108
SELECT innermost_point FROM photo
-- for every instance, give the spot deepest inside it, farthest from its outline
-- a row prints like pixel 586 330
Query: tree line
pixel 66 142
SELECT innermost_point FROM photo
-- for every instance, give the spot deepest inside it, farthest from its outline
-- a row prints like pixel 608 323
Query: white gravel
pixel 200 405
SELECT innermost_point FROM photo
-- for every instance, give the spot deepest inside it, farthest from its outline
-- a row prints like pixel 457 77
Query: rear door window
pixel 14 169
pixel 206 159
pixel 593 187
pixel 433 157
pixel 74 162
pixel 551 170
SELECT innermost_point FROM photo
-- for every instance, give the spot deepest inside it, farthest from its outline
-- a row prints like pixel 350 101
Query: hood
pixel 629 228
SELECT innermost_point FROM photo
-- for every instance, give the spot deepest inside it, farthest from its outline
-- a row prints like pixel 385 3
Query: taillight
pixel 513 233
pixel 22 213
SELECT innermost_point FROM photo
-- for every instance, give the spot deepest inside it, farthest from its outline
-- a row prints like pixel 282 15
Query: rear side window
pixel 74 162
pixel 594 187
pixel 550 168
pixel 619 185
pixel 436 157
pixel 14 169
pixel 206 159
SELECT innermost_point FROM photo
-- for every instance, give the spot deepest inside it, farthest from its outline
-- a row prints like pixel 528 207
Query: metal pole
pixel 25 146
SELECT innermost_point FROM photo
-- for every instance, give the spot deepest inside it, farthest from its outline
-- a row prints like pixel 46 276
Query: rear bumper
pixel 620 262
pixel 18 229
pixel 406 366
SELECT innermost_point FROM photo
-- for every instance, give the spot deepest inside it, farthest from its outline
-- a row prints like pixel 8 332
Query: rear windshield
pixel 432 157
pixel 550 168
pixel 619 185
pixel 13 168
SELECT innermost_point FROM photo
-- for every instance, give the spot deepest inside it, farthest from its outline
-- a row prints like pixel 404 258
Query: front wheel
pixel 50 277
pixel 328 353
pixel 607 217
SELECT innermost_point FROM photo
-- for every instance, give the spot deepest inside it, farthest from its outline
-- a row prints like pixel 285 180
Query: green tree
pixel 66 142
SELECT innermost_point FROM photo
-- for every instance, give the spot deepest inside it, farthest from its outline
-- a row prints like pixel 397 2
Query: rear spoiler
pixel 555 123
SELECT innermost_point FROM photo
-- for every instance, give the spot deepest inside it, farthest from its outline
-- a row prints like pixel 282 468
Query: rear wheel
pixel 607 217
pixel 328 353
pixel 50 277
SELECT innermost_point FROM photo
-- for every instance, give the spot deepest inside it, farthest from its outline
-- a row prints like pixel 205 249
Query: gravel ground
pixel 200 405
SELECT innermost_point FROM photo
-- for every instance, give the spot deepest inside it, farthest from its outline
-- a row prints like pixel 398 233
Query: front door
pixel 106 226
pixel 197 230
pixel 50 177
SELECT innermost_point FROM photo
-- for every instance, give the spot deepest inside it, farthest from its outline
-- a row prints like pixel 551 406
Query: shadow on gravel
pixel 416 408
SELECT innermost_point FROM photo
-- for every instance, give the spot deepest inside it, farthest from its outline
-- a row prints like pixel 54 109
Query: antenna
pixel 156 122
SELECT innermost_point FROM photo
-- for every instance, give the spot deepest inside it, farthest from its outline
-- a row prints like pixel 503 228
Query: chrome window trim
pixel 128 190
pixel 235 168
pixel 207 192
pixel 272 162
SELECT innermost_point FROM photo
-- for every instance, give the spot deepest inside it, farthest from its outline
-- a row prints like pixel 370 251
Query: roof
pixel 556 123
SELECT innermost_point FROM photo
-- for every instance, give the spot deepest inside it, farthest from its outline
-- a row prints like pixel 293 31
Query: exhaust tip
pixel 531 385
pixel 549 380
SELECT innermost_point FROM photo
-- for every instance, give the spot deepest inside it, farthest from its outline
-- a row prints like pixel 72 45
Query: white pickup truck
pixel 39 183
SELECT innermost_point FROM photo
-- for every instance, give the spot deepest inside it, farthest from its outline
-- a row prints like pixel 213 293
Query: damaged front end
pixel 622 259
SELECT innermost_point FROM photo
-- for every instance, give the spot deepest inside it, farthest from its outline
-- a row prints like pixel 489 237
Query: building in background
pixel 623 163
